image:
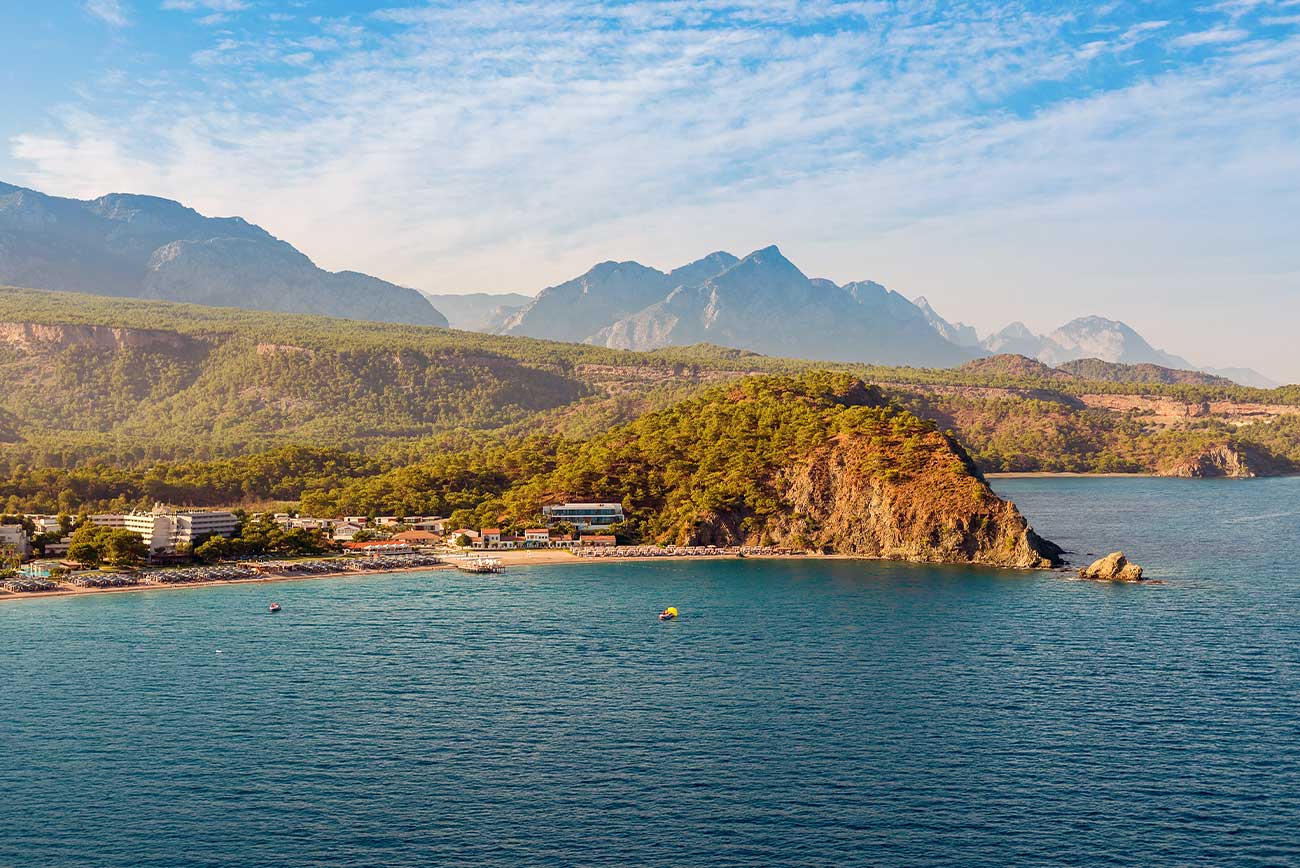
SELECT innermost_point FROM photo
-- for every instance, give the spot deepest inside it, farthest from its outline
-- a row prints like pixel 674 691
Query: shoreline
pixel 517 558
pixel 1068 474
pixel 69 591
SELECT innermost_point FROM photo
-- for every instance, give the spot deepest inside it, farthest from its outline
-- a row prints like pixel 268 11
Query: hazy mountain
pixel 1244 376
pixel 1017 339
pixel 146 247
pixel 957 332
pixel 478 311
pixel 766 304
pixel 1100 340
pixel 577 309
pixel 1095 337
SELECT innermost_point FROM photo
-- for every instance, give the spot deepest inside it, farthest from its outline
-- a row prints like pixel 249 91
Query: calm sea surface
pixel 799 713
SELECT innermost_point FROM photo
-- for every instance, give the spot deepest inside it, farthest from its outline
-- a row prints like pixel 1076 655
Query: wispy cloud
pixel 209 5
pixel 1216 36
pixel 108 11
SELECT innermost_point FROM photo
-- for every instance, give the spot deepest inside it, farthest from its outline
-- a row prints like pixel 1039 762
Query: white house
pixel 346 531
pixel 584 516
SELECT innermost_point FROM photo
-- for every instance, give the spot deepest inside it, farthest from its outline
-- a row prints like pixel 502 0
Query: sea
pixel 799 713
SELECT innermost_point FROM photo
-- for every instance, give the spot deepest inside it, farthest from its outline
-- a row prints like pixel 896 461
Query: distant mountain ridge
pixel 1090 337
pixel 478 311
pixel 147 247
pixel 762 303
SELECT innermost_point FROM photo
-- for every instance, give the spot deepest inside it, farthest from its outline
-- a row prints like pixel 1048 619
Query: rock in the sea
pixel 1112 568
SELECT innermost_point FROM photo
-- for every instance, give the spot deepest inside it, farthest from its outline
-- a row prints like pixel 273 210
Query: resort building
pixel 15 537
pixel 165 531
pixel 113 520
pixel 346 531
pixel 431 523
pixel 470 535
pixel 597 539
pixel 584 516
pixel 491 538
pixel 417 537
pixel 537 537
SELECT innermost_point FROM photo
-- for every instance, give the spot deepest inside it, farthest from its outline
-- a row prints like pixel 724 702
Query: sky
pixel 1010 161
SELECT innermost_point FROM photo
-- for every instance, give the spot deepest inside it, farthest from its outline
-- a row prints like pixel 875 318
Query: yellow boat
pixel 668 614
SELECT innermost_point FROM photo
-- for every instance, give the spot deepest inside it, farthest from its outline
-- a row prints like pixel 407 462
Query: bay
pixel 801 712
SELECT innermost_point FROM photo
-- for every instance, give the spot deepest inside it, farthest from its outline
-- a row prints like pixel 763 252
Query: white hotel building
pixel 164 530
pixel 584 516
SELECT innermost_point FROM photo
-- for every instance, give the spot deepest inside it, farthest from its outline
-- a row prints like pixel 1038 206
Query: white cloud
pixel 209 5
pixel 1217 36
pixel 108 11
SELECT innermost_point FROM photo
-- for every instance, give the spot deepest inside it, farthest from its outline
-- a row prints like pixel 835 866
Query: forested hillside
pixel 121 398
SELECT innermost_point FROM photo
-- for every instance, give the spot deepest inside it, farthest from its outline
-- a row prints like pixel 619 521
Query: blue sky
pixel 1033 161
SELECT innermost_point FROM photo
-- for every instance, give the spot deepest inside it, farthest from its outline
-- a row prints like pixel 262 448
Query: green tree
pixel 125 548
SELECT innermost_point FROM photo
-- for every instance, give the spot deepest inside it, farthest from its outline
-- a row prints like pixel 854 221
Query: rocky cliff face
pixel 839 501
pixel 1232 460
pixel 146 247
pixel 38 337
pixel 941 512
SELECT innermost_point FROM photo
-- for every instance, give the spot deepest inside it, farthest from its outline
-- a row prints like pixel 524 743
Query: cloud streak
pixel 108 11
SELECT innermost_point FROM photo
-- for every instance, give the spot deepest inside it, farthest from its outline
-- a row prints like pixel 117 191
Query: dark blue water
pixel 800 713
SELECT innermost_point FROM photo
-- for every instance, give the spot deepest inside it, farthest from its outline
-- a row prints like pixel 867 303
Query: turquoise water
pixel 799 714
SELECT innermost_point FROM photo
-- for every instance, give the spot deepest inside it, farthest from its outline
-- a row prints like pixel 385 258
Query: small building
pixel 417 537
pixel 584 516
pixel 387 520
pixel 471 535
pixel 597 539
pixel 346 531
pixel 358 520
pixel 537 538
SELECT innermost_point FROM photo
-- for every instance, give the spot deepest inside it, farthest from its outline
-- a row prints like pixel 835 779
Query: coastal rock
pixel 1230 460
pixel 1115 567
pixel 938 510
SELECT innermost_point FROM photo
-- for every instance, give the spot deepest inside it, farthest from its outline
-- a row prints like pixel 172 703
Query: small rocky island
pixel 1115 567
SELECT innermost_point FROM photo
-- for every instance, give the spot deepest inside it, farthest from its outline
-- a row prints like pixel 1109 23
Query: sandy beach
pixel 516 558
pixel 1044 474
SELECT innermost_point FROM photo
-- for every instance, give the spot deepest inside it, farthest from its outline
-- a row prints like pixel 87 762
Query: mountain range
pixel 761 302
pixel 146 247
pixel 765 304
pixel 477 311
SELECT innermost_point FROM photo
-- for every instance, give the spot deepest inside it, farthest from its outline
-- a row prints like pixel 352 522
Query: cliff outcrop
pixel 852 501
pixel 1231 460
pixel 1115 567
